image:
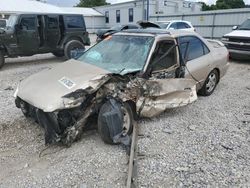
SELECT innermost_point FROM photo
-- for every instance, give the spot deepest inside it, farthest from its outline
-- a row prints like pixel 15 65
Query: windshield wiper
pixel 121 70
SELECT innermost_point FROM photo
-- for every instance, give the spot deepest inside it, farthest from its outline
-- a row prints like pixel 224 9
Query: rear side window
pixel 28 23
pixel 182 25
pixel 52 22
pixel 192 47
pixel 74 22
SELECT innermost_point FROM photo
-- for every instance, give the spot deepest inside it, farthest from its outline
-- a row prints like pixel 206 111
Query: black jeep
pixel 29 34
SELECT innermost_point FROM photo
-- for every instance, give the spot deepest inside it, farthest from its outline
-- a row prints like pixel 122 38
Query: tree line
pixel 224 4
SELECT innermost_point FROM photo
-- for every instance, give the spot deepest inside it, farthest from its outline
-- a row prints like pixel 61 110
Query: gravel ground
pixel 205 143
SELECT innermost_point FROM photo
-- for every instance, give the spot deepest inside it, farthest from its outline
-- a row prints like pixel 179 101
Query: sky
pixel 74 2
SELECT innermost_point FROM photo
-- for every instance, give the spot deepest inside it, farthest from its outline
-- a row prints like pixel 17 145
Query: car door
pixel 197 57
pixel 163 90
pixel 27 35
pixel 164 62
pixel 53 34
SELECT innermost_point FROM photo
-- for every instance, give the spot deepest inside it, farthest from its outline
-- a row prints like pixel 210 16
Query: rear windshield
pixel 74 22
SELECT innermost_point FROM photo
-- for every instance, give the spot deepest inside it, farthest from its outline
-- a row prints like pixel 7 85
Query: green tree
pixel 224 4
pixel 91 3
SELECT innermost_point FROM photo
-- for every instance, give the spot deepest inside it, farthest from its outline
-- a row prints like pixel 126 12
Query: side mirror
pixel 171 28
pixel 235 27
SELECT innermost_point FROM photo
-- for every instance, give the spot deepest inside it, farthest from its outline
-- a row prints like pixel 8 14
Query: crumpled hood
pixel 238 33
pixel 45 89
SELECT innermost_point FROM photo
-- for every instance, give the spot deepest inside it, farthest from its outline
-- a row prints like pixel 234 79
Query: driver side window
pixel 28 23
pixel 164 56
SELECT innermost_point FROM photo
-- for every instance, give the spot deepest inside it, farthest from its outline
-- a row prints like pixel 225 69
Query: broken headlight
pixel 71 102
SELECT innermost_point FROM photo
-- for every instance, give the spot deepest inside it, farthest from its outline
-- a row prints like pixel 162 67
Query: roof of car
pixel 155 31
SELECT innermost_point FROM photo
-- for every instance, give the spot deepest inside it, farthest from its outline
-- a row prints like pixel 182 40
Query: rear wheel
pixel 72 45
pixel 2 60
pixel 210 83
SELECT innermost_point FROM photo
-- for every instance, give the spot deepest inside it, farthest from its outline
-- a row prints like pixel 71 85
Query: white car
pixel 176 24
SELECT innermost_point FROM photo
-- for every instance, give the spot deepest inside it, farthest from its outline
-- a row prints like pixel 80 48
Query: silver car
pixel 131 74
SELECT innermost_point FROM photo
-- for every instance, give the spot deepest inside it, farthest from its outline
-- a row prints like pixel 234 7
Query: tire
pixel 210 83
pixel 2 60
pixel 72 45
pixel 58 54
pixel 103 128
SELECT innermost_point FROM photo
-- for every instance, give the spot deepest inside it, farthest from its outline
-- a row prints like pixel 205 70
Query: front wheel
pixel 72 45
pixel 127 121
pixel 2 60
pixel 210 83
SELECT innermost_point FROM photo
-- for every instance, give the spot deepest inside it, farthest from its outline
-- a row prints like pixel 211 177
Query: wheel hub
pixel 211 83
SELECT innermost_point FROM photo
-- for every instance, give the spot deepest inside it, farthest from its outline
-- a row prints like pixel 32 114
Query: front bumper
pixel 241 54
pixel 239 50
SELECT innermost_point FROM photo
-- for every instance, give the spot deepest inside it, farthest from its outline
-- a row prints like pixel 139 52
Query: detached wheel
pixel 210 83
pixel 72 45
pixel 58 54
pixel 127 122
pixel 2 60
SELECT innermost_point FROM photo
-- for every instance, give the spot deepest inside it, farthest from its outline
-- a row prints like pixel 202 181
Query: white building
pixel 133 11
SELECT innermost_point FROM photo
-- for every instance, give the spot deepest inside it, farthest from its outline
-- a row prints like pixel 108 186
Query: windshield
pixel 245 25
pixel 163 25
pixel 120 54
pixel 8 23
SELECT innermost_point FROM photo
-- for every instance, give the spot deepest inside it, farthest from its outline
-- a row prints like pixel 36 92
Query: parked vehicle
pixel 103 33
pixel 131 74
pixel 238 41
pixel 29 34
pixel 176 24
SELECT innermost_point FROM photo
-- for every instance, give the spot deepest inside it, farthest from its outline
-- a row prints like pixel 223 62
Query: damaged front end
pixel 147 98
